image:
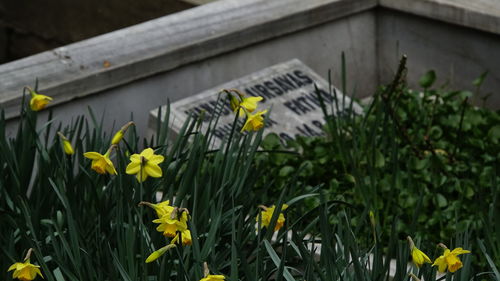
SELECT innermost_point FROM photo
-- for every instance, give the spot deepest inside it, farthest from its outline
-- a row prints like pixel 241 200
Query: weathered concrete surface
pixel 458 55
pixel 478 14
pixel 316 47
pixel 138 68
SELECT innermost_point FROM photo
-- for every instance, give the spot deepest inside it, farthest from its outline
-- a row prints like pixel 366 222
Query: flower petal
pixel 133 168
pixel 153 170
pixel 93 155
pixel 135 158
pixel 459 251
pixel 147 153
pixel 156 159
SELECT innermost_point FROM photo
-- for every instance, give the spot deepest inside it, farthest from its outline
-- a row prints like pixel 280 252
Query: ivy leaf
pixel 428 79
pixel 441 200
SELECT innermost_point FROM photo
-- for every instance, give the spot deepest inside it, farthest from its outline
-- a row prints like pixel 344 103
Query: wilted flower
pixel 449 259
pixel 418 257
pixel 101 163
pixel 254 122
pixel 267 214
pixel 145 164
pixel 68 149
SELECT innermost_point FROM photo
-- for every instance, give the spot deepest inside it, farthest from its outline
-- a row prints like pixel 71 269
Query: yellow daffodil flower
pixel 213 278
pixel 172 221
pixel 267 214
pixel 254 122
pixel 418 257
pixel 162 209
pixel 68 149
pixel 38 101
pixel 119 135
pixel 449 259
pixel 249 104
pixel 186 237
pixel 158 253
pixel 25 271
pixel 101 163
pixel 169 226
pixel 145 164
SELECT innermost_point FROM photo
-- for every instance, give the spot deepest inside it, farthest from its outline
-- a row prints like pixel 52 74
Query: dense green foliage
pixel 428 158
pixel 86 226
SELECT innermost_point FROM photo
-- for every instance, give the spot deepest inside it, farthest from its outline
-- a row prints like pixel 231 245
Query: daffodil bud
pixel 158 253
pixel 372 219
pixel 119 135
pixel 68 149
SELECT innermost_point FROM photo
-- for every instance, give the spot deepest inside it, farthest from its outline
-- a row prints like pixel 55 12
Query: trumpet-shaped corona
pixel 254 122
pixel 101 163
pixel 25 271
pixel 449 260
pixel 38 101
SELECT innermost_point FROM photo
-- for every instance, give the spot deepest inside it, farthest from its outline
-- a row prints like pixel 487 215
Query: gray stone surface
pixel 164 44
pixel 457 55
pixel 134 70
pixel 289 93
pixel 315 46
pixel 478 14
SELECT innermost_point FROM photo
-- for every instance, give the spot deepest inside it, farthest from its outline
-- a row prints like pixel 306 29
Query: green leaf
pixel 277 261
pixel 286 171
pixel 427 79
pixel 379 159
pixel 494 134
pixel 441 200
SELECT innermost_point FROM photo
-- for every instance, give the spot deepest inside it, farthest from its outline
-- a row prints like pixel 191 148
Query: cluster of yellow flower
pixel 448 260
pixel 143 165
pixel 244 106
pixel 172 223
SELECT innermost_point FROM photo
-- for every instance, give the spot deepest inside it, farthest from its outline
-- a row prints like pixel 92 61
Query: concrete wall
pixel 318 47
pixel 185 53
pixel 457 54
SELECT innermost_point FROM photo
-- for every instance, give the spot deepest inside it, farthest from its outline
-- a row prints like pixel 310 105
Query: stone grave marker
pixel 288 91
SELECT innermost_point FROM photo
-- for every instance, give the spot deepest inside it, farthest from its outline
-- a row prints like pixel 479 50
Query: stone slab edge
pixel 122 56
pixel 483 15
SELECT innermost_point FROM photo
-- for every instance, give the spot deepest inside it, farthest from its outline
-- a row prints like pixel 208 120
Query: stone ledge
pixel 122 56
pixel 478 14
pixel 166 43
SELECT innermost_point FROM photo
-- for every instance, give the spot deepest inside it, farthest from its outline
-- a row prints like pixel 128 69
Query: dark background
pixel 28 27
